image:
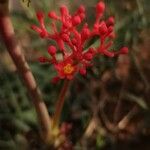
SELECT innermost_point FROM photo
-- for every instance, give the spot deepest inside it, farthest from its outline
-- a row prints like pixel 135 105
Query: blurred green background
pixel 109 108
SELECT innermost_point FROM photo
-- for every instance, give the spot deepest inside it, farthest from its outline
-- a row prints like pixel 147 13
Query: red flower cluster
pixel 71 42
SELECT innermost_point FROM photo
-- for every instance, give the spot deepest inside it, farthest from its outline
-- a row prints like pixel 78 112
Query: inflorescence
pixel 71 42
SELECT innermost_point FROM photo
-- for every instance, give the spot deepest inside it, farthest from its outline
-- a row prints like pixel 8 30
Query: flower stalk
pixel 60 104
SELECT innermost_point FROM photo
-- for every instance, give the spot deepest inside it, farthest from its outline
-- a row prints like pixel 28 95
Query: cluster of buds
pixel 60 137
pixel 71 42
pixel 65 130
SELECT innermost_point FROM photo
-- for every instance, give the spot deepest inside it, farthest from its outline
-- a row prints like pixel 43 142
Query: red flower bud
pixel 82 16
pixel 43 34
pixel 40 15
pixel 64 10
pixel 92 51
pixel 60 43
pixel 85 32
pixel 52 50
pixel 42 59
pixel 65 37
pixel 55 80
pixel 124 50
pixel 81 9
pixel 76 20
pixel 100 7
pixel 103 28
pixel 110 29
pixel 53 15
pixel 110 21
pixel 74 41
pixel 88 56
pixel 82 71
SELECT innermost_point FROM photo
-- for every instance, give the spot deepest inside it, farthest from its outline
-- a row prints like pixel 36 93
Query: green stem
pixel 60 103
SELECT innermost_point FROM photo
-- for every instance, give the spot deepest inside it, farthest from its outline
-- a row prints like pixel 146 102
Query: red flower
pixel 66 69
pixel 74 58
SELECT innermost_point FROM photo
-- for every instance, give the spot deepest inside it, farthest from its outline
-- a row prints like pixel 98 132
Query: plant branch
pixel 14 49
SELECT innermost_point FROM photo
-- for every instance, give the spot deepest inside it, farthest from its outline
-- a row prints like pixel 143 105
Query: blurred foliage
pixel 17 115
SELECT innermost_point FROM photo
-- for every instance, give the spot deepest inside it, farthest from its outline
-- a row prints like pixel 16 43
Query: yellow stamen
pixel 68 69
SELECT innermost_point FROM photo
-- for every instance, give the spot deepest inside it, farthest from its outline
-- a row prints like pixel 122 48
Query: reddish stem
pixel 14 49
pixel 60 103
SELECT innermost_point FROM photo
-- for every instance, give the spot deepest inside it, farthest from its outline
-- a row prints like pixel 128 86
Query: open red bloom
pixel 65 69
pixel 74 58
